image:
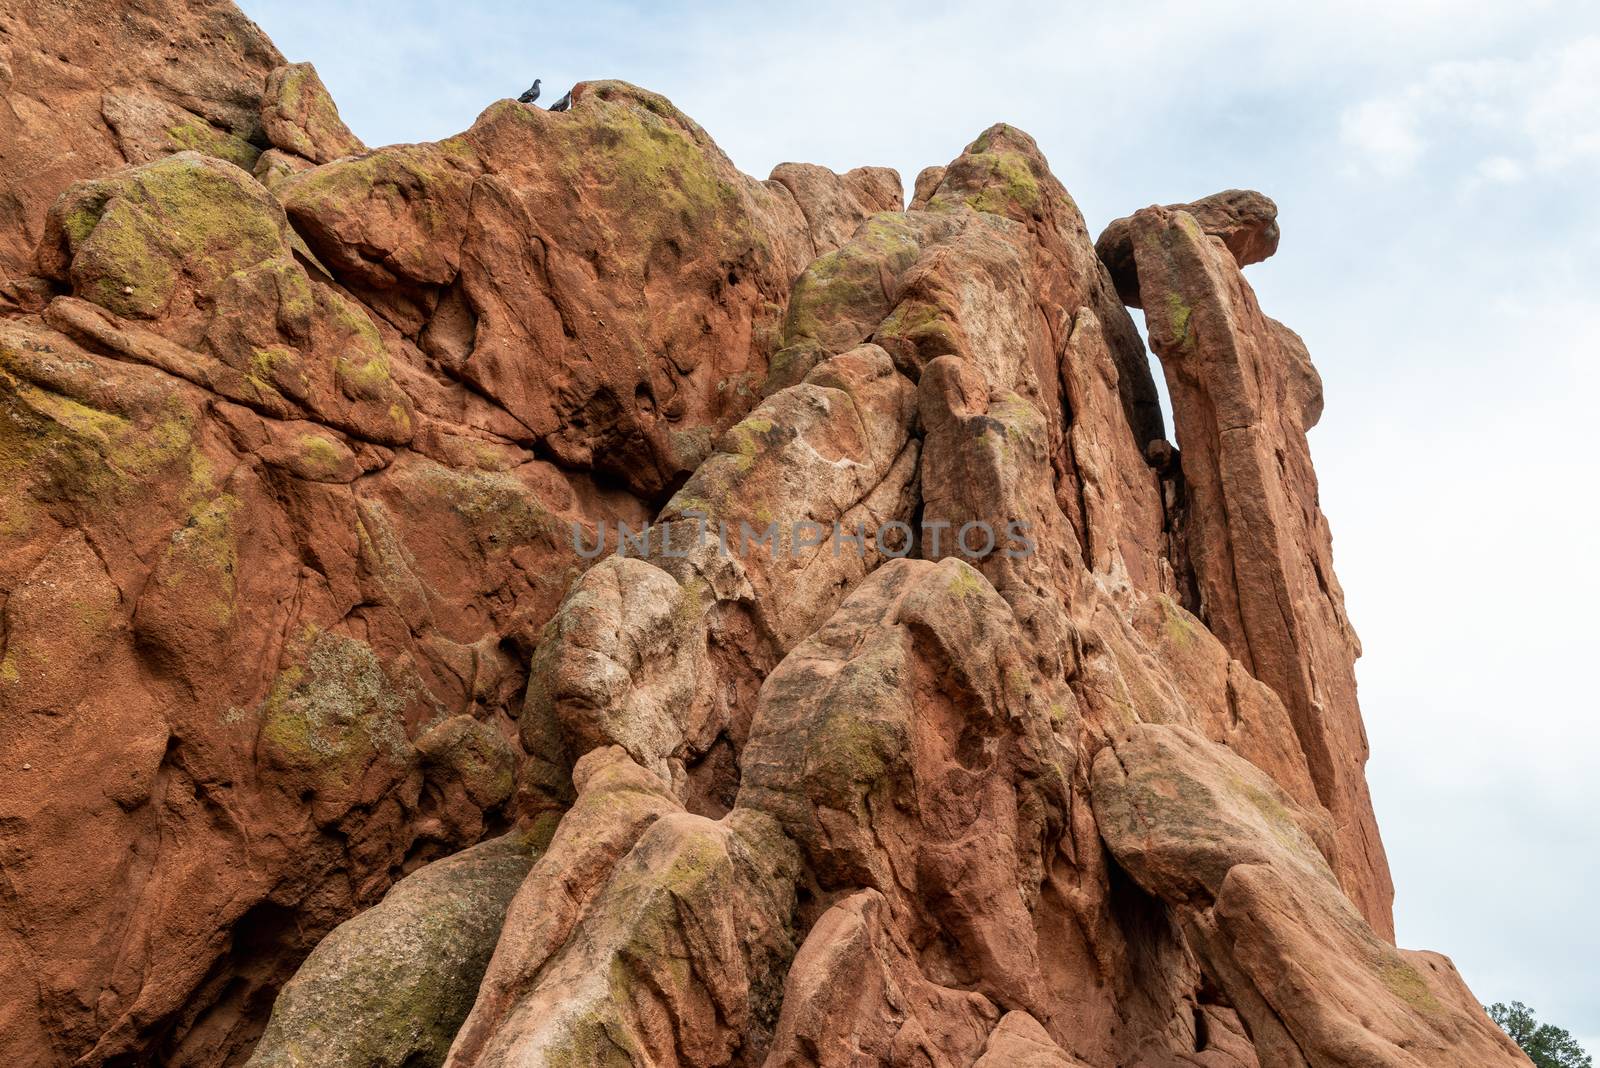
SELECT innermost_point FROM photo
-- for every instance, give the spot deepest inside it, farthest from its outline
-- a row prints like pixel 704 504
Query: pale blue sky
pixel 1437 168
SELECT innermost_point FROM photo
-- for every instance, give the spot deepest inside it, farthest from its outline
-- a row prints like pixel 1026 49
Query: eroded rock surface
pixel 271 573
pixel 613 244
pixel 1244 394
pixel 408 968
pixel 91 86
pixel 544 597
pixel 1246 221
pixel 1246 870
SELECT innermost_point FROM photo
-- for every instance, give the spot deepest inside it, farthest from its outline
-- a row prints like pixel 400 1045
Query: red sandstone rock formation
pixel 326 745
pixel 1246 221
pixel 92 85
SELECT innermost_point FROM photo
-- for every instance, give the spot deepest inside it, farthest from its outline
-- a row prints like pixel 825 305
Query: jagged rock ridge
pixel 326 745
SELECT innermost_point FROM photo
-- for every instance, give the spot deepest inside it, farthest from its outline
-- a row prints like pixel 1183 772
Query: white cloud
pixel 1505 118
pixel 1502 170
pixel 1383 132
pixel 1563 106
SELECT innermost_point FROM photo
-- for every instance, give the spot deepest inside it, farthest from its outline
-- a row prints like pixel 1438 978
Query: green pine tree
pixel 1546 1045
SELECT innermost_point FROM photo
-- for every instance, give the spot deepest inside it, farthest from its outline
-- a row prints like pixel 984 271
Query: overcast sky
pixel 1438 174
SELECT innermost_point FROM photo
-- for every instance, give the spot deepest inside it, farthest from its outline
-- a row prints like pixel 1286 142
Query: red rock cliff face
pixel 326 745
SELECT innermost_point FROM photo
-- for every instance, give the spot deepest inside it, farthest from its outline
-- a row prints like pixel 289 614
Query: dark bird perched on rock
pixel 531 95
pixel 563 104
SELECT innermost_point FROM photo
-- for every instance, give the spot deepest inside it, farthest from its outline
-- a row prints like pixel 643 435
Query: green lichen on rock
pixel 400 173
pixel 655 167
pixel 791 363
pixel 335 712
pixel 654 163
pixel 851 748
pixel 292 85
pixel 320 454
pixel 363 367
pixel 501 509
pixel 588 1041
pixel 120 265
pixel 299 116
pixel 746 438
pixel 1013 188
pixel 390 988
pixel 1177 325
pixel 850 754
pixel 916 333
pixel 202 555
pixel 367 378
pixel 79 209
pixel 1281 822
pixel 840 296
pixel 1178 624
pixel 634 954
pixel 421 191
pixel 133 235
pixel 474 754
pixel 967 582
pixel 1406 983
pixel 269 367
pixel 55 448
pixel 1000 173
pixel 197 135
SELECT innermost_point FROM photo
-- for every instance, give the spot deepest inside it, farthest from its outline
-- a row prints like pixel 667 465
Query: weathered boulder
pixel 95 85
pixel 909 749
pixel 1246 221
pixel 855 993
pixel 1020 1041
pixel 835 204
pixel 617 801
pixel 802 486
pixel 1246 870
pixel 391 987
pixel 659 272
pixel 299 117
pixel 637 659
pixel 841 297
pixel 646 935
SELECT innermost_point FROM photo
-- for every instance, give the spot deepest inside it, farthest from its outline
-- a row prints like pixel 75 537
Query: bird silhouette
pixel 563 104
pixel 531 95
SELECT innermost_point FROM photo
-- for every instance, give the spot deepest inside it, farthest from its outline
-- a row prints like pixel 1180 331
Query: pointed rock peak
pixel 619 93
pixel 1003 137
pixel 1001 172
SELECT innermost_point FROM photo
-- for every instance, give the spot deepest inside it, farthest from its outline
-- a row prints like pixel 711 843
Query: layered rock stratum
pixel 328 739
